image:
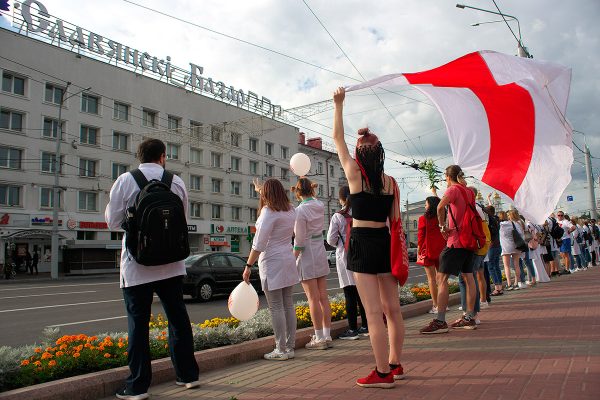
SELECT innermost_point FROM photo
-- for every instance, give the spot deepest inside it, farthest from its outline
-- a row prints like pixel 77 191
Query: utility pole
pixel 407 225
pixel 590 180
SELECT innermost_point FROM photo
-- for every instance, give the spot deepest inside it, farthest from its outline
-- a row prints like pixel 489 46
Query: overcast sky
pixel 379 37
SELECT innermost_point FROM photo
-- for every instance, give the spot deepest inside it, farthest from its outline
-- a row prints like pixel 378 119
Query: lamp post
pixel 521 49
pixel 56 193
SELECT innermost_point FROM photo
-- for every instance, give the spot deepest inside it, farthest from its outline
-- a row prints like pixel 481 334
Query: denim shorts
pixel 565 247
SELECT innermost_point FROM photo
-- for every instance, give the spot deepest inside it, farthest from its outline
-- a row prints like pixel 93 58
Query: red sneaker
pixel 374 381
pixel 398 372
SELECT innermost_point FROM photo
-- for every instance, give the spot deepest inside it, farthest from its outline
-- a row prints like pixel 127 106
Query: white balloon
pixel 300 164
pixel 243 301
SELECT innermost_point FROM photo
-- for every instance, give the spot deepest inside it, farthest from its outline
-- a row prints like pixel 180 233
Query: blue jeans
pixel 138 302
pixel 494 264
pixel 529 264
pixel 578 259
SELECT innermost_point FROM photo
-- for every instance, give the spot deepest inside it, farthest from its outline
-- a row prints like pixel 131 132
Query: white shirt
pixel 122 196
pixel 566 225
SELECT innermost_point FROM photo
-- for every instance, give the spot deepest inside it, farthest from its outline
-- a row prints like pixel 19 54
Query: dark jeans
pixel 352 304
pixel 493 265
pixel 488 286
pixel 138 301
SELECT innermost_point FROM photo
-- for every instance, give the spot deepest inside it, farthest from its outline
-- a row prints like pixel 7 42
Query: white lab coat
pixel 336 236
pixel 312 261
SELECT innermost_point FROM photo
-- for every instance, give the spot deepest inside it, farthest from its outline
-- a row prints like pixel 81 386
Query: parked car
pixel 215 273
pixel 412 254
pixel 331 257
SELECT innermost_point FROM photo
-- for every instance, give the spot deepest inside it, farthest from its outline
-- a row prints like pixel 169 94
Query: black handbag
pixel 518 239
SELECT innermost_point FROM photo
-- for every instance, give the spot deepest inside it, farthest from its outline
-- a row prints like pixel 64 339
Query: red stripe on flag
pixel 510 113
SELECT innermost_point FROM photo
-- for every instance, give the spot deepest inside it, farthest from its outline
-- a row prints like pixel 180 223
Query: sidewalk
pixel 540 343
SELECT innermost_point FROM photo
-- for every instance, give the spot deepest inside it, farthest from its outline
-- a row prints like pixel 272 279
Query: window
pixel 87 167
pixel 88 201
pixel 216 211
pixel 172 151
pixel 253 144
pixel 215 133
pixel 195 182
pixel 285 174
pixel 86 235
pixel 195 156
pixel 235 213
pixel 236 188
pixel 116 236
pixel 215 160
pixel 13 84
pixel 10 157
pixel 254 168
pixel 285 152
pixel 235 139
pixel 119 169
pixel 12 120
pixel 269 168
pixel 51 128
pixel 342 173
pixel 88 135
pixel 10 195
pixel 415 226
pixel 253 214
pixel 53 93
pixel 253 192
pixel 195 209
pixel 320 193
pixel 319 167
pixel 48 160
pixel 216 185
pixel 89 103
pixel 121 111
pixel 173 123
pixel 120 141
pixel 195 129
pixel 332 191
pixel 332 171
pixel 268 148
pixel 235 163
pixel 47 198
pixel 149 118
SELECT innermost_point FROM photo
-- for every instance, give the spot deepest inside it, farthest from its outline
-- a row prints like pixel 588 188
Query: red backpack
pixel 471 234
pixel 346 214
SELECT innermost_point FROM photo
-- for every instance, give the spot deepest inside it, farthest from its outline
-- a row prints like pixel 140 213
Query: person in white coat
pixel 338 236
pixel 535 254
pixel 311 260
pixel 272 247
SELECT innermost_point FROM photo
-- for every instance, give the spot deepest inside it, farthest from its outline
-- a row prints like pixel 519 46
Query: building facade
pixel 216 148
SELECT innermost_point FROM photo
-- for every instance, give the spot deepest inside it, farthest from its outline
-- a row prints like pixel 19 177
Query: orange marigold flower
pixel 92 347
pixel 46 355
pixel 75 355
pixel 166 346
pixel 101 348
pixel 124 353
pixel 87 345
pixel 59 353
pixel 79 348
pixel 107 355
pixel 121 344
pixel 63 347
pixel 52 363
pixel 24 362
pixel 38 350
pixel 37 363
pixel 48 348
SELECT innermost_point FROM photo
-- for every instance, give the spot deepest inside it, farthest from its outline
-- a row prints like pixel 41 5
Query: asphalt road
pixel 94 305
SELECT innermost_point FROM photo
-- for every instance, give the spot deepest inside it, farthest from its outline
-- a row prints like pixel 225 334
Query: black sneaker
pixel 363 331
pixel 127 394
pixel 349 335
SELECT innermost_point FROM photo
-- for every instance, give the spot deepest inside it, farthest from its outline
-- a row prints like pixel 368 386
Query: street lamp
pixel 521 50
pixel 56 194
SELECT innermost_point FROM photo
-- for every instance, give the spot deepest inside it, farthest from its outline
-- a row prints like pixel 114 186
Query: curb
pixel 97 385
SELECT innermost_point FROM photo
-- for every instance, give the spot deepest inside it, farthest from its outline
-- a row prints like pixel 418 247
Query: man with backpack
pixel 461 233
pixel 565 246
pixel 150 203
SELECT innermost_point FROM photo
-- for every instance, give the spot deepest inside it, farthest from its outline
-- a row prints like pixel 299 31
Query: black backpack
pixel 156 226
pixel 557 231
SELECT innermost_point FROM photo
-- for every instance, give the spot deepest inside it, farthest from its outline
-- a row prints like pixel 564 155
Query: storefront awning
pixel 30 234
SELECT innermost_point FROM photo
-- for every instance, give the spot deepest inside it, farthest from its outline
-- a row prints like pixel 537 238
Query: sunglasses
pixel 561 215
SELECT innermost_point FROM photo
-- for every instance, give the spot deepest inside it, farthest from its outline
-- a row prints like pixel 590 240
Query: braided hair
pixel 370 158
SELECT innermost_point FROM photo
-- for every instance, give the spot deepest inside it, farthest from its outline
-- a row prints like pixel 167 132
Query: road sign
pixel 569 198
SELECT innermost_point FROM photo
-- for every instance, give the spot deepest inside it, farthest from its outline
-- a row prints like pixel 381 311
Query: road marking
pixel 85 322
pixel 59 305
pixel 57 286
pixel 46 294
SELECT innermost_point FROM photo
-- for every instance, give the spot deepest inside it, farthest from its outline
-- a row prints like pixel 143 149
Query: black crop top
pixel 371 207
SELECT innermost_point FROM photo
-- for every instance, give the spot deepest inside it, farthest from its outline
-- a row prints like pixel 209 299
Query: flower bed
pixel 64 356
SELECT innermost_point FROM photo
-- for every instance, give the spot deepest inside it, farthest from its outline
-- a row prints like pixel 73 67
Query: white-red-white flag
pixel 505 118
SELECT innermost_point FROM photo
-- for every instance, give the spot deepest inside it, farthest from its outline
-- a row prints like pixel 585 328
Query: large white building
pixel 218 139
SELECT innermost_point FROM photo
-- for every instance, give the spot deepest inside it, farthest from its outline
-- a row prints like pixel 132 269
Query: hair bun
pixel 364 131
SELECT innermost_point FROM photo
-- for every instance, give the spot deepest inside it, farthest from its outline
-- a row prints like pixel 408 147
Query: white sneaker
pixel 188 385
pixel 315 344
pixel 290 354
pixel 522 285
pixel 477 321
pixel 484 304
pixel 433 310
pixel 276 355
pixel 329 342
pixel 459 308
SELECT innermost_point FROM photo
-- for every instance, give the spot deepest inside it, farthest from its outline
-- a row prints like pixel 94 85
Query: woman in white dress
pixel 311 260
pixel 272 247
pixel 577 240
pixel 536 254
pixel 510 254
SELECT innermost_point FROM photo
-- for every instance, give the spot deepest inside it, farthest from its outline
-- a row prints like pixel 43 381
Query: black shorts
pixel 453 261
pixel 369 251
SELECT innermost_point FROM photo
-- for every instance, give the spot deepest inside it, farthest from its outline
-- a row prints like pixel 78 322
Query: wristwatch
pixel 248 265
